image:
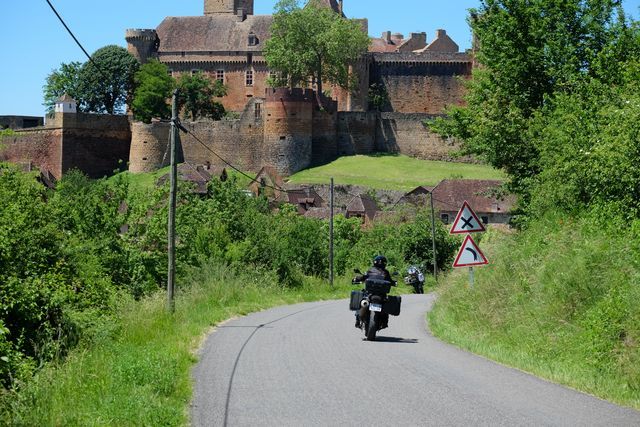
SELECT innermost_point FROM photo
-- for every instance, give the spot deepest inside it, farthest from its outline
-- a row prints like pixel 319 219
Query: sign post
pixel 469 254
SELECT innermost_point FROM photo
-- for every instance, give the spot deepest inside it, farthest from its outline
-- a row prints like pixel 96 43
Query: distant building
pixel 66 104
pixel 363 207
pixel 450 194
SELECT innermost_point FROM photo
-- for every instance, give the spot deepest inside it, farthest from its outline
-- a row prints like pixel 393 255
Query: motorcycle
pixel 415 278
pixel 374 304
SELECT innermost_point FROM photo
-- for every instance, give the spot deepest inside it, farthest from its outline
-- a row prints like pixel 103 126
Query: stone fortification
pixel 288 128
pixel 96 144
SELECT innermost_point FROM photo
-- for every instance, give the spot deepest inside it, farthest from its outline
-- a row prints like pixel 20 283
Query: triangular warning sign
pixel 466 221
pixel 469 255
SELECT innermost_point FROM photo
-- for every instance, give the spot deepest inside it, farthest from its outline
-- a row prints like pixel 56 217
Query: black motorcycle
pixel 415 278
pixel 374 304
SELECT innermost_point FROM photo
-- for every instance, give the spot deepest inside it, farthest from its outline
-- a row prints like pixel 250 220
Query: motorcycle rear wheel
pixel 372 327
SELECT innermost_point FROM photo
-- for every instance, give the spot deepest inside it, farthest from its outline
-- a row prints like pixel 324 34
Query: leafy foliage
pixel 197 96
pixel 106 81
pixel 313 43
pixel 65 80
pixel 530 53
pixel 153 90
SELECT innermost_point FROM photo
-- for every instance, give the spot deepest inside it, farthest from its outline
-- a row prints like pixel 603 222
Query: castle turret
pixel 142 44
pixel 287 129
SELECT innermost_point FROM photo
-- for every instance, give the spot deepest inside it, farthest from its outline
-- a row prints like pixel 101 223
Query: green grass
pixel 392 172
pixel 558 300
pixel 139 371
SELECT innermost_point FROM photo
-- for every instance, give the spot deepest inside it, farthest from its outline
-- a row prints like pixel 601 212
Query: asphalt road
pixel 307 365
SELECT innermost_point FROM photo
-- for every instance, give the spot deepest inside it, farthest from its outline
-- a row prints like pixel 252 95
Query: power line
pixel 76 39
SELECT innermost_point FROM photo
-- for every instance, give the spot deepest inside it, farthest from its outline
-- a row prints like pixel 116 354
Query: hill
pixel 392 172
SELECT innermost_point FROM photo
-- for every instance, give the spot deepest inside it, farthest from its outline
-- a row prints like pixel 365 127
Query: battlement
pixel 289 95
pixel 140 34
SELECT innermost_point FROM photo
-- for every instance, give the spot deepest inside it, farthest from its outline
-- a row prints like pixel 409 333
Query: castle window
pixel 258 110
pixel 220 76
pixel 249 77
pixel 252 40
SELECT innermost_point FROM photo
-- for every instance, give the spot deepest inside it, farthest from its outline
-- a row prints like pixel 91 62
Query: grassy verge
pixel 558 300
pixel 392 172
pixel 138 371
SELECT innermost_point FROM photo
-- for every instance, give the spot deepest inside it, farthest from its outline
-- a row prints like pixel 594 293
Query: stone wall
pixel 93 143
pixel 366 133
pixel 40 147
pixel 356 133
pixel 427 85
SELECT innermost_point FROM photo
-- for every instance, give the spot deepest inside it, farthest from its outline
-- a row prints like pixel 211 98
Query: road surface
pixel 307 365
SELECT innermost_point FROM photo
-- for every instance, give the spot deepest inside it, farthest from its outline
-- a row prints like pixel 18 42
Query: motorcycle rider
pixel 379 272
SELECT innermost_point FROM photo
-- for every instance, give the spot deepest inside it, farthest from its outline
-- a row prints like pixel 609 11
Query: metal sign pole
pixel 471 278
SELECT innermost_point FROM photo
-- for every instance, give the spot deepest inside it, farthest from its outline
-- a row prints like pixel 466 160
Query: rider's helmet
pixel 380 261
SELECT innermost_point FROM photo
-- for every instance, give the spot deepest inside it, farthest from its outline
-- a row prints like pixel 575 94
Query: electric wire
pixel 76 40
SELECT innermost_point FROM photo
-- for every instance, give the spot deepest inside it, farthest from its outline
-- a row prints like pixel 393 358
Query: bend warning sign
pixel 470 254
pixel 466 221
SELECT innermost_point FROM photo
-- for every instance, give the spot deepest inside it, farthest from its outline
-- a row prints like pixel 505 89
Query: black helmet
pixel 380 261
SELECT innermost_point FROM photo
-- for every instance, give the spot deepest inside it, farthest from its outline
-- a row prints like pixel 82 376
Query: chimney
pixel 397 38
pixel 386 36
pixel 440 33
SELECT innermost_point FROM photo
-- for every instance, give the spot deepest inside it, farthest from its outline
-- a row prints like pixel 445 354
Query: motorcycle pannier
pixel 375 286
pixel 392 306
pixel 356 297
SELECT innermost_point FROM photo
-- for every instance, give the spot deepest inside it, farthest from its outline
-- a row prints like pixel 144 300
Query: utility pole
pixel 174 141
pixel 433 237
pixel 331 235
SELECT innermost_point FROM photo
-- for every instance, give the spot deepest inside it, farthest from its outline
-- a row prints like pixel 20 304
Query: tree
pixel 529 52
pixel 153 89
pixel 314 43
pixel 197 94
pixel 66 79
pixel 106 82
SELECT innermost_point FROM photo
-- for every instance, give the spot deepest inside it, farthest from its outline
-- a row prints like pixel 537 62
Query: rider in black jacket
pixel 379 272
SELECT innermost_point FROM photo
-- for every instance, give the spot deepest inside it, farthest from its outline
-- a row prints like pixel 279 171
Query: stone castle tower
pixel 228 6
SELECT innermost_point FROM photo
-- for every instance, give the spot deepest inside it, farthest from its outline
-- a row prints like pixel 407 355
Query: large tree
pixel 314 43
pixel 529 52
pixel 106 82
pixel 153 90
pixel 197 95
pixel 64 80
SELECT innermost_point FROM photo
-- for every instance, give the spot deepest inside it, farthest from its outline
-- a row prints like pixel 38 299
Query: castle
pixel 278 127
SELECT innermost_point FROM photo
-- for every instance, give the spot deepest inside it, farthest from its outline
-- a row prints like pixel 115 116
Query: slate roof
pixel 212 33
pixel 305 198
pixel 450 194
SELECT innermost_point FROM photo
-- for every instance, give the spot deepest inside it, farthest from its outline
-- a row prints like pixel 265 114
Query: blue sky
pixel 35 43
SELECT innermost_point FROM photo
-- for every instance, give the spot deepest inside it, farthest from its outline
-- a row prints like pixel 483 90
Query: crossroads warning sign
pixel 469 254
pixel 466 221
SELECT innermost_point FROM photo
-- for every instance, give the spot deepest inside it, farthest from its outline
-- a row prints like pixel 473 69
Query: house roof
pixel 197 175
pixel 450 194
pixel 270 176
pixel 363 204
pixel 212 33
pixel 304 198
pixel 65 98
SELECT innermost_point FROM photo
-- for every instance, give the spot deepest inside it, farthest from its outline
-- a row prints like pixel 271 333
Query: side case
pixel 356 297
pixel 392 306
